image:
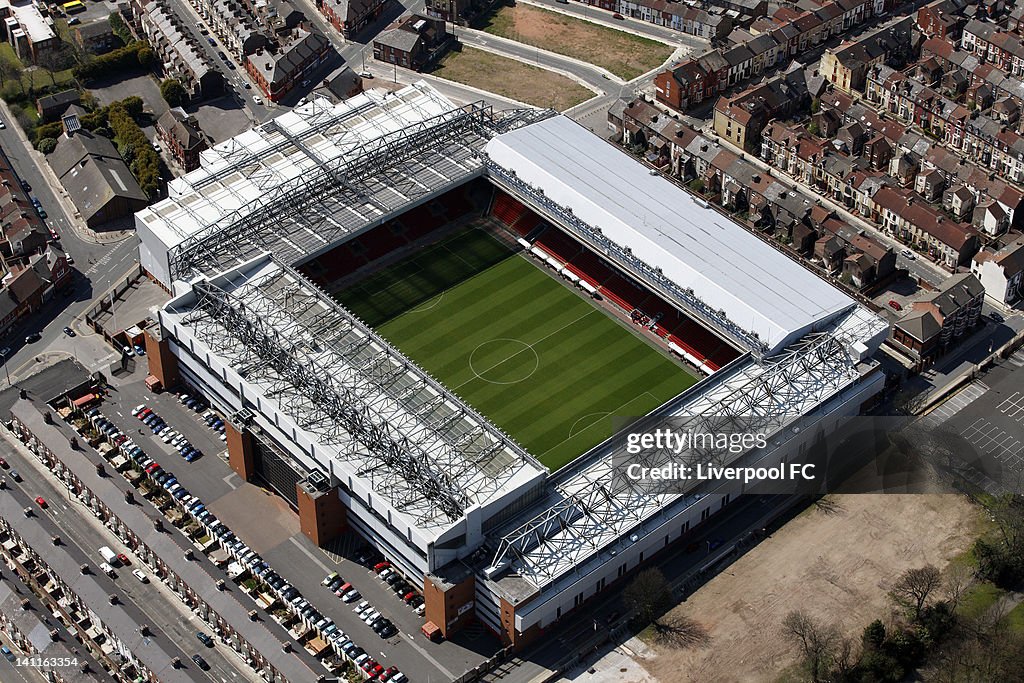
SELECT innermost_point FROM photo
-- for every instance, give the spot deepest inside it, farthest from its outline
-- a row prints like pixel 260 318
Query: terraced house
pixel 769 42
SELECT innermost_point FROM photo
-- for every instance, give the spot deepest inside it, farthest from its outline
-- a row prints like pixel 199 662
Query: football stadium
pixel 423 321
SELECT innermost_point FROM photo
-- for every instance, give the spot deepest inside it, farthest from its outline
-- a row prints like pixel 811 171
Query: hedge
pixel 136 149
pixel 130 57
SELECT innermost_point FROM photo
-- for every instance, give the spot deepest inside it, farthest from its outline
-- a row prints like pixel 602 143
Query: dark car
pixel 204 639
pixel 387 630
pixel 15 476
pixel 200 662
pixel 32 338
pixel 25 186
pixel 68 331
pixel 4 464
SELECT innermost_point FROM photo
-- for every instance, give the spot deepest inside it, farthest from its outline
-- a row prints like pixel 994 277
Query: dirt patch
pixel 835 565
pixel 624 54
pixel 509 78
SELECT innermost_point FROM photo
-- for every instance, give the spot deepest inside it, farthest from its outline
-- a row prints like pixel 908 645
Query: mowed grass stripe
pixel 393 291
pixel 590 366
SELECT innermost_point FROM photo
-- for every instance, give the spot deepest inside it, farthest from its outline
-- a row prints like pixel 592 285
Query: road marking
pixel 309 554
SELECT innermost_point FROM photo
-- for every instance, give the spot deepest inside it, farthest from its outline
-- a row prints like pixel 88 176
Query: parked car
pixel 32 338
pixel 68 331
pixel 616 15
pixel 15 476
pixel 204 639
pixel 7 651
pixel 996 317
pixel 895 305
pixel 41 502
pixel 140 575
pixel 200 662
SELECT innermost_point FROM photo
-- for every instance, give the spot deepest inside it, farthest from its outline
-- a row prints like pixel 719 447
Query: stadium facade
pixel 355 435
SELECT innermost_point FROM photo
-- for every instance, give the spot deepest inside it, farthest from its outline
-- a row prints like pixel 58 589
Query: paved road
pixel 82 535
pixel 295 558
pixel 985 420
pixel 635 26
pixel 595 78
pixel 918 267
pixel 97 265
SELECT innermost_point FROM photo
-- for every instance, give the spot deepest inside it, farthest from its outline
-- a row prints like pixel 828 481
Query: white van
pixel 109 555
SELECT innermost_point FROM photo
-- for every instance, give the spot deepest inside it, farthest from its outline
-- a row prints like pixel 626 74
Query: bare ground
pixel 510 78
pixel 835 565
pixel 624 54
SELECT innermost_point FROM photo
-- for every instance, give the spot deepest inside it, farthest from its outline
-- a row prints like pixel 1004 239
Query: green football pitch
pixel 542 363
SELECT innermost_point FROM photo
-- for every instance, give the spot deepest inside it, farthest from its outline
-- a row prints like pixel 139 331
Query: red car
pixel 144 413
pixel 618 16
pixel 41 502
pixel 152 466
pixel 124 559
pixel 3 463
pixel 895 305
pixel 369 665
pixel 381 566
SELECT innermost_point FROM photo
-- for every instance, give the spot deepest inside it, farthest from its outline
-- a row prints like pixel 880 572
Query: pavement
pixel 918 267
pixel 274 532
pixel 81 534
pixel 985 420
pixel 637 27
pixel 589 76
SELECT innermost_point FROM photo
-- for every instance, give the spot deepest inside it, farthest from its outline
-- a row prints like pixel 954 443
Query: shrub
pixel 47 145
pixel 120 28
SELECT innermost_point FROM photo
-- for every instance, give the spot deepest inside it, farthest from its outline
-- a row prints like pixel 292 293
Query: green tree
pixel 174 92
pixel 47 145
pixel 146 57
pixel 647 595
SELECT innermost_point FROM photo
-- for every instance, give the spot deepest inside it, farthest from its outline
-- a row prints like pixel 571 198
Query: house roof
pixel 921 325
pixel 93 172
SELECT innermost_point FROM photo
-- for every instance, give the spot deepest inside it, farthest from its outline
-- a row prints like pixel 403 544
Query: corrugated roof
pixel 757 287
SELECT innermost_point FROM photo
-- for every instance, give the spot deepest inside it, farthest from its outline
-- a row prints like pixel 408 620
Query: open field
pixel 526 351
pixel 509 78
pixel 837 567
pixel 624 54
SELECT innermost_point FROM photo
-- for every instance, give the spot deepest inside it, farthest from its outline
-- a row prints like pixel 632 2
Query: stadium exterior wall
pixel 541 610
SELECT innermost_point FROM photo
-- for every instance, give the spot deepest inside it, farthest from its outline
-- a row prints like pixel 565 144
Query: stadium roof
pixel 379 422
pixel 731 270
pixel 299 184
pixel 592 511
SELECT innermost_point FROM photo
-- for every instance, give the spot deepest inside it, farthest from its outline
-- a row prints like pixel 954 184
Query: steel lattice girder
pixel 261 324
pixel 372 159
pixel 598 499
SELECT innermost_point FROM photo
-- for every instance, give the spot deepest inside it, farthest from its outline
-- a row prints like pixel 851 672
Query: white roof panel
pixel 759 288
